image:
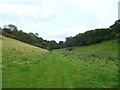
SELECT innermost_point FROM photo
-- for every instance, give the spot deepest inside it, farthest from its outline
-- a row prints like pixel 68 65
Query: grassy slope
pixel 0 62
pixel 18 61
pixel 90 66
pixel 93 66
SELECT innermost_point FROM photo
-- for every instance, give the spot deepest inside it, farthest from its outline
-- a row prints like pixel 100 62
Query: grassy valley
pixel 27 66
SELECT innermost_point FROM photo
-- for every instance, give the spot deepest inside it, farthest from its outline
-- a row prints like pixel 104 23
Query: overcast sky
pixel 58 19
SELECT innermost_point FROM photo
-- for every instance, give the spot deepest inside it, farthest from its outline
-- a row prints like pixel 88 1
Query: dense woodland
pixel 81 39
pixel 94 36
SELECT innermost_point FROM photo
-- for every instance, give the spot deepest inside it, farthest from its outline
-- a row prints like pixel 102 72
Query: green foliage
pixel 69 48
pixel 81 39
pixel 61 44
pixel 94 36
pixel 26 66
pixel 0 31
pixel 31 38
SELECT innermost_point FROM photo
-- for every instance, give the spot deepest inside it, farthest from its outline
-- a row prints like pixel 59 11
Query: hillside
pixel 0 63
pixel 17 46
pixel 16 51
pixel 82 39
pixel 26 66
pixel 94 36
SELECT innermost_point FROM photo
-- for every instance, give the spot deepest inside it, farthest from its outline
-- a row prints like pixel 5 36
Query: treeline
pixel 94 36
pixel 81 39
pixel 31 38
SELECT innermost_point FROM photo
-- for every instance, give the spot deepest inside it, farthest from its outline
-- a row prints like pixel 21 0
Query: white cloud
pixel 119 10
pixel 61 34
pixel 57 19
pixel 34 12
pixel 22 1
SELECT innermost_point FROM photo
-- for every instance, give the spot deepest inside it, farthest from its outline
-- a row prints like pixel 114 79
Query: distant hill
pixel 94 36
pixel 81 39
pixel 27 66
pixel 11 31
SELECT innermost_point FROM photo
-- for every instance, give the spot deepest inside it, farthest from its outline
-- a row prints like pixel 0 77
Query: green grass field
pixel 0 62
pixel 26 66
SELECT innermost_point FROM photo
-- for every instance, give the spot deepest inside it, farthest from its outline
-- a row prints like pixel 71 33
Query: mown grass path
pixel 25 66
pixel 57 72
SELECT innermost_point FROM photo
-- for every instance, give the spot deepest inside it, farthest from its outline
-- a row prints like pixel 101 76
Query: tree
pixel 61 44
pixel 53 44
pixel 81 39
pixel 11 27
pixel 36 34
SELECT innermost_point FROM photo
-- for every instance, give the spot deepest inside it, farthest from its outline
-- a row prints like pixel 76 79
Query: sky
pixel 58 19
pixel 119 10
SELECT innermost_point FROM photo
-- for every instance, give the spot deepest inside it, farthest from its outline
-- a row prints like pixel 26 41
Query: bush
pixel 69 48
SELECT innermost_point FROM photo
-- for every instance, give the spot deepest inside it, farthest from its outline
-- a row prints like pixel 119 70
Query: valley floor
pixel 94 66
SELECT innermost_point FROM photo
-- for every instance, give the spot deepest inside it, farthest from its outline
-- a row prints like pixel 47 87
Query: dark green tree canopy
pixel 81 39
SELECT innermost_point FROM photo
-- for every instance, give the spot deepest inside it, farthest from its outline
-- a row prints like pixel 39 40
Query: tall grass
pixel 26 66
pixel 0 62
